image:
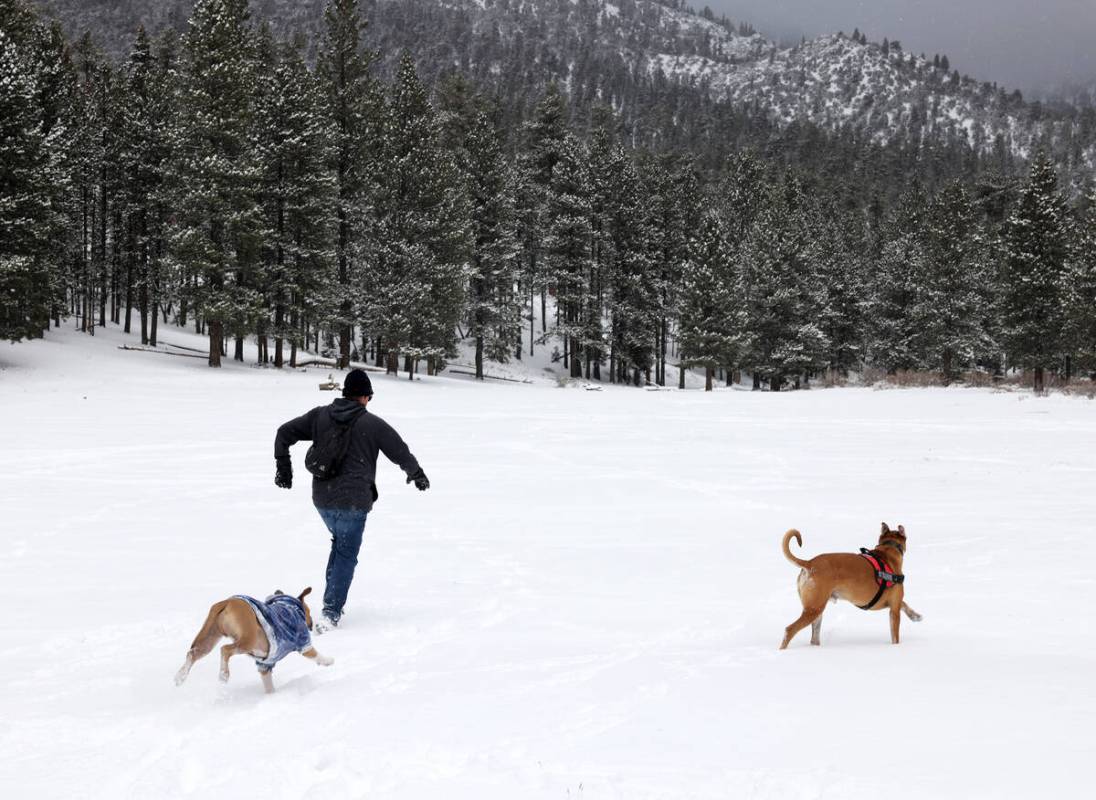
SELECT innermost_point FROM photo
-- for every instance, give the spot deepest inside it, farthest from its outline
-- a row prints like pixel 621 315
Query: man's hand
pixel 422 483
pixel 283 477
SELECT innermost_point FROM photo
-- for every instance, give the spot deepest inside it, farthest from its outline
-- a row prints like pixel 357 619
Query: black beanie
pixel 357 384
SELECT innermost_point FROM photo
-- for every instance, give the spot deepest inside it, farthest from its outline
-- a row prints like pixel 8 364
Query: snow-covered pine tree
pixel 628 237
pixel 145 155
pixel 893 296
pixel 27 184
pixel 840 257
pixel 216 234
pixel 712 318
pixel 419 240
pixel 353 103
pixel 784 296
pixel 542 142
pixel 623 277
pixel 1037 245
pixel 470 133
pixel 568 249
pixel 84 158
pixel 298 189
pixel 1080 292
pixel 675 200
pixel 955 289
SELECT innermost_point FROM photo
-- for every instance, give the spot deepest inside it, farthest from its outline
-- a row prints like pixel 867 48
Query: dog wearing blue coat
pixel 267 630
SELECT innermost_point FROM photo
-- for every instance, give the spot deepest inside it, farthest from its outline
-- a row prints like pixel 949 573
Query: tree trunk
pixel 1040 384
pixel 576 363
pixel 479 358
pixel 214 344
pixel 774 383
pixel 238 353
pixel 709 373
pixel 681 375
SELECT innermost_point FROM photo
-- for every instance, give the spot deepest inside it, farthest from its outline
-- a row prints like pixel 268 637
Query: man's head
pixel 357 386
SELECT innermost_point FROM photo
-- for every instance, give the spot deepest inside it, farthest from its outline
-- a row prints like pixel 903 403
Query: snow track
pixel 587 603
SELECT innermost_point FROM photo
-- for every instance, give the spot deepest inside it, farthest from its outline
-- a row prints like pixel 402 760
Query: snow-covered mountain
pixel 601 49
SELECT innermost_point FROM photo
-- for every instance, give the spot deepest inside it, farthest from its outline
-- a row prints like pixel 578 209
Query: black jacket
pixel 355 485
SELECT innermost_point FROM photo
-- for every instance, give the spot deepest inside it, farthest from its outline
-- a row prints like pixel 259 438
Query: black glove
pixel 422 483
pixel 283 477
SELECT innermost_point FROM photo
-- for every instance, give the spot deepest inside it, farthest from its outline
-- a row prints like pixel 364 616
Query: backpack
pixel 325 457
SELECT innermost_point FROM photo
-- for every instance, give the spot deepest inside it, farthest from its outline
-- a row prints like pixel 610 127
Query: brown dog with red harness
pixel 872 580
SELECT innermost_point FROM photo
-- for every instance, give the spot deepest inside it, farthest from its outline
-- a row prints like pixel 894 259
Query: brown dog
pixel 847 576
pixel 239 620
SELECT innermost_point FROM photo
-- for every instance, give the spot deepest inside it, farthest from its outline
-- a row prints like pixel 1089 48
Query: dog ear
pixel 885 529
pixel 305 593
pixel 902 530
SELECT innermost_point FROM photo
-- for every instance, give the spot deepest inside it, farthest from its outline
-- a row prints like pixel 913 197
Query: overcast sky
pixel 1025 44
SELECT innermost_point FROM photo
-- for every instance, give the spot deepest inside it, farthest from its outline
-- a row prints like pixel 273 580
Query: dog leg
pixel 913 615
pixel 806 618
pixel 268 682
pixel 816 631
pixel 895 621
pixel 323 661
pixel 184 670
pixel 227 652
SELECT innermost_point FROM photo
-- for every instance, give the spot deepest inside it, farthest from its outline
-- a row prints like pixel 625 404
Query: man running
pixel 345 499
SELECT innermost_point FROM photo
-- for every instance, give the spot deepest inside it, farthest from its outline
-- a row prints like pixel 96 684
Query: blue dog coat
pixel 283 621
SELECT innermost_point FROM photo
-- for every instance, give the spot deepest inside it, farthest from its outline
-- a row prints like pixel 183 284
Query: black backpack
pixel 325 457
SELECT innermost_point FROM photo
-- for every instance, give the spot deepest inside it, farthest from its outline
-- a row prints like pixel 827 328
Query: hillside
pixel 607 51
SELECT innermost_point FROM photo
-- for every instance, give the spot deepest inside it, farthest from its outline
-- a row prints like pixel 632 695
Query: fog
pixel 1033 45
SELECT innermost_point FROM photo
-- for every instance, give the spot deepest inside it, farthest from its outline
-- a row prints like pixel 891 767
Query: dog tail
pixel 210 632
pixel 793 534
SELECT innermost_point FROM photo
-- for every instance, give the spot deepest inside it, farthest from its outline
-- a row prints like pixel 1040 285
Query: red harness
pixel 883 575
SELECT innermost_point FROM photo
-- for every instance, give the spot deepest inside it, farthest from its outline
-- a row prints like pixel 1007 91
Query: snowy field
pixel 586 604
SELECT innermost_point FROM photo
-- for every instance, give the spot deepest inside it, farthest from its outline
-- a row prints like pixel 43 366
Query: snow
pixel 587 602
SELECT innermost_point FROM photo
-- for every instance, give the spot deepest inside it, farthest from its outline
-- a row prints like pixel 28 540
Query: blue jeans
pixel 346 526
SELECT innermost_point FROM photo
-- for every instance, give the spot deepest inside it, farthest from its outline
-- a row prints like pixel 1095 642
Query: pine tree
pixel 783 290
pixel 420 233
pixel 27 219
pixel 890 325
pixel 629 241
pixel 712 318
pixel 215 239
pixel 353 102
pixel 839 253
pixel 298 189
pixel 568 250
pixel 494 305
pixel 146 153
pixel 1080 292
pixel 543 138
pixel 954 291
pixel 1037 242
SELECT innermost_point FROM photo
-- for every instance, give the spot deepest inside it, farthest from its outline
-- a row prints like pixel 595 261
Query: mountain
pixel 613 52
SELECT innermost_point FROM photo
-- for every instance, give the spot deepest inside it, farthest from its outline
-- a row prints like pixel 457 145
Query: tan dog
pixel 238 620
pixel 848 576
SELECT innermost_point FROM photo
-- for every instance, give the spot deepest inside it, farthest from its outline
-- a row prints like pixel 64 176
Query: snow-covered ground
pixel 586 604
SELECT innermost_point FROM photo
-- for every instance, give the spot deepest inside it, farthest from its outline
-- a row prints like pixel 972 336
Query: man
pixel 345 499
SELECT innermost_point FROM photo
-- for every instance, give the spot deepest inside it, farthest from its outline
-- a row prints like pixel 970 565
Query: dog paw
pixel 916 617
pixel 325 661
pixel 223 675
